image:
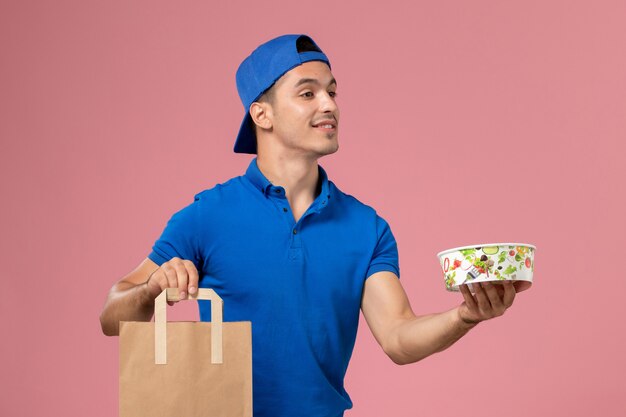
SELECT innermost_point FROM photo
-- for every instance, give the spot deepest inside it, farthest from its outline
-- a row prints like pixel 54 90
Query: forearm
pixel 127 302
pixel 422 336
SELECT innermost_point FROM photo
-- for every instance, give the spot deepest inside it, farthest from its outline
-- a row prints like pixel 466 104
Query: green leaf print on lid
pixel 468 252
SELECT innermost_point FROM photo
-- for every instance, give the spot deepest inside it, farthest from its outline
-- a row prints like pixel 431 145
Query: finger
pixel 469 299
pixel 498 286
pixel 509 294
pixel 182 279
pixel 193 277
pixel 170 275
pixel 494 299
pixel 481 298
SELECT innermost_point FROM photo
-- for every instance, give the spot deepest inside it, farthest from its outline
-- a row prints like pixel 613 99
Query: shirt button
pixel 295 232
pixel 285 209
pixel 277 191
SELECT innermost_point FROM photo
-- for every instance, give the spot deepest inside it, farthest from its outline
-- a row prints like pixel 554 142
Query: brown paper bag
pixel 186 369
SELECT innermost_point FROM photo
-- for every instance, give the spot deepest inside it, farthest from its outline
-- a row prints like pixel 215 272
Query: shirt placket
pixel 277 195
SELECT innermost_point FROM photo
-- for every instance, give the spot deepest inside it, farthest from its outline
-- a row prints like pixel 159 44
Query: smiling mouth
pixel 326 128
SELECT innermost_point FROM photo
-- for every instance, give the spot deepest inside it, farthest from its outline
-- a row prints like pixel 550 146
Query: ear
pixel 261 114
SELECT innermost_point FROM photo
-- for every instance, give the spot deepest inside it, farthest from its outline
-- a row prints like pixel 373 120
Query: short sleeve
pixel 385 257
pixel 179 238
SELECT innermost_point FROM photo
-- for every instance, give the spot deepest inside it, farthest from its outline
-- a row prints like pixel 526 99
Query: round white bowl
pixel 494 262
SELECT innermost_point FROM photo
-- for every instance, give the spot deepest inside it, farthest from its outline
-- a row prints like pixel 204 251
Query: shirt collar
pixel 256 177
pixel 260 182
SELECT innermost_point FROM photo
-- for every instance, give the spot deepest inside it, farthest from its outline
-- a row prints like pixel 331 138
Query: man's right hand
pixel 175 273
pixel 132 297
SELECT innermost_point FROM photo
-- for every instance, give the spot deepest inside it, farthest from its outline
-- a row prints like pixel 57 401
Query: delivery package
pixel 186 369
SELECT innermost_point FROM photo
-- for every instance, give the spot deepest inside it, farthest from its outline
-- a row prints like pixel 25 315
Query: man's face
pixel 305 116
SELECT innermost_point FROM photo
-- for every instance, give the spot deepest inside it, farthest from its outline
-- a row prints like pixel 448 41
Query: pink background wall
pixel 462 122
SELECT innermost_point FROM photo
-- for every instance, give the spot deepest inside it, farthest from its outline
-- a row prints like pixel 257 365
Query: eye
pixel 308 92
pixel 333 93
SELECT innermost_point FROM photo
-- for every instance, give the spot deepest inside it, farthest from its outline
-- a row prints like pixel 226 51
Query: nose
pixel 328 104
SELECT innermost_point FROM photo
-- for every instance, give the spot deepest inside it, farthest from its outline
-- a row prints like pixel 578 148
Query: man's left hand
pixel 488 301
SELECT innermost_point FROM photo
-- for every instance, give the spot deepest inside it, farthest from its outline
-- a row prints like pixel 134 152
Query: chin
pixel 320 148
pixel 329 149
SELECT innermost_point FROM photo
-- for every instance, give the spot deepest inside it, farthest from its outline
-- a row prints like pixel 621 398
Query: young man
pixel 290 252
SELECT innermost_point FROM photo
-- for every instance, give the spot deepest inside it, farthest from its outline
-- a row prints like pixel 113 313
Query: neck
pixel 298 176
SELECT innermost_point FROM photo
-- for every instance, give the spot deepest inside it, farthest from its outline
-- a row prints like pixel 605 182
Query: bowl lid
pixel 484 246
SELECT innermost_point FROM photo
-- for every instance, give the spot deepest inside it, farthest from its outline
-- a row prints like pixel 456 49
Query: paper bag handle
pixel 160 322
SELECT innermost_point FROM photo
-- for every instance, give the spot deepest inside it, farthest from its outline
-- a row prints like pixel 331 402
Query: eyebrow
pixel 313 81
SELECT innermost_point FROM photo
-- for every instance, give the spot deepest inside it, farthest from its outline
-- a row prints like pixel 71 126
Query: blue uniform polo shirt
pixel 299 283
